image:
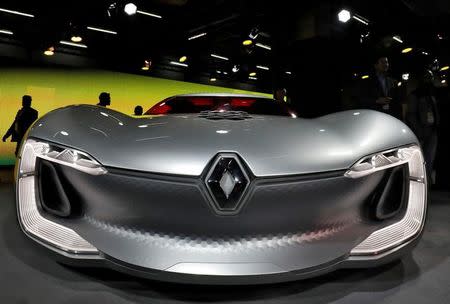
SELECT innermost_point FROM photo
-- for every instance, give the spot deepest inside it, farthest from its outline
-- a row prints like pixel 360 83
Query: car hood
pixel 185 144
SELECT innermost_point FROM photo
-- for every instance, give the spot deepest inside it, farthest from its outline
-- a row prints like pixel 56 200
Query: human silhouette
pixel 24 118
pixel 104 99
pixel 138 111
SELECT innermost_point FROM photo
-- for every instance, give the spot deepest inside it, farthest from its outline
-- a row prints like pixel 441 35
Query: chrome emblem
pixel 227 182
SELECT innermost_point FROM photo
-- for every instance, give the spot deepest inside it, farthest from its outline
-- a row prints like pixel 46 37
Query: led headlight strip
pixel 33 222
pixel 412 222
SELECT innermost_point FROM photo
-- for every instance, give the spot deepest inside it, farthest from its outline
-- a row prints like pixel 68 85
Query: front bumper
pixel 331 228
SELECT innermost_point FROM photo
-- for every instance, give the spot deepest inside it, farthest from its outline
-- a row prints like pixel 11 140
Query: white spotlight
pixel 405 76
pixel 130 8
pixel 344 16
pixel 235 68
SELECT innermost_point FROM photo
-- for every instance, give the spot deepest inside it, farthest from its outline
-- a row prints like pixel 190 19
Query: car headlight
pixel 412 222
pixel 33 222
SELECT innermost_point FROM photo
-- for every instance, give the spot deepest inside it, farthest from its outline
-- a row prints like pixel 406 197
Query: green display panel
pixel 54 88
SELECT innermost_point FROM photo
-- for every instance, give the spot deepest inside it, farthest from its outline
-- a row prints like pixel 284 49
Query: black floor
pixel 27 275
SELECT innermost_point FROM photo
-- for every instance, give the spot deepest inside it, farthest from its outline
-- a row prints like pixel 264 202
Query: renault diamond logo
pixel 227 181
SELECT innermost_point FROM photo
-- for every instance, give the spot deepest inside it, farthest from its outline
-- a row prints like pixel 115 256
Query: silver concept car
pixel 221 189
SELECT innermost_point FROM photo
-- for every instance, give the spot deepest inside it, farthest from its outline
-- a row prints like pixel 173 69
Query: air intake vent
pixel 231 115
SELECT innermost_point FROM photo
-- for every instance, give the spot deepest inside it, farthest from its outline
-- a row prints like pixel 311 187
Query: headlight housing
pixel 412 222
pixel 37 226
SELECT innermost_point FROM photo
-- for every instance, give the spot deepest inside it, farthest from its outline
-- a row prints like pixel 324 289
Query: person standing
pixel 422 116
pixel 104 99
pixel 23 120
pixel 380 92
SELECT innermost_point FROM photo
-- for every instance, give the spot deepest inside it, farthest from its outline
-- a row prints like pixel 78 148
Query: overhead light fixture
pixel 252 77
pixel 6 32
pixel 254 33
pixel 288 72
pixel 440 37
pixel 407 50
pixel 405 76
pixel 443 81
pixel 252 74
pixel 263 46
pixel 247 42
pixel 219 57
pixel 92 28
pixel 50 51
pixel 364 76
pixel 444 68
pixel 197 36
pixel 399 84
pixel 235 68
pixel 344 16
pixel 76 38
pixel 182 59
pixel 361 19
pixel 179 64
pixel 398 39
pixel 80 45
pixel 262 67
pixel 219 72
pixel 212 79
pixel 16 13
pixel 225 73
pixel 130 9
pixel 425 53
pixel 146 66
pixel 149 14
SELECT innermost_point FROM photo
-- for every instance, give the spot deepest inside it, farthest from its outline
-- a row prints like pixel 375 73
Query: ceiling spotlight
pixel 235 68
pixel 6 32
pixel 252 78
pixel 247 42
pixel 440 37
pixel 344 16
pixel 425 53
pixel 288 72
pixel 252 74
pixel 146 66
pixel 92 28
pixel 149 14
pixel 444 68
pixel 364 76
pixel 262 67
pixel 130 9
pixel 212 79
pixel 398 39
pixel 360 19
pixel 443 81
pixel 182 59
pixel 179 64
pixel 16 13
pixel 197 36
pixel 225 73
pixel 73 44
pixel 76 38
pixel 405 76
pixel 407 50
pixel 219 57
pixel 50 51
pixel 263 46
pixel 254 33
pixel 399 84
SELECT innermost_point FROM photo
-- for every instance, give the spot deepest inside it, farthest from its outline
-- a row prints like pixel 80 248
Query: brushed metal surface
pixel 184 144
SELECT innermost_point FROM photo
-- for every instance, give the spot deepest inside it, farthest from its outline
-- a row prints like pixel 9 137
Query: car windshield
pixel 197 104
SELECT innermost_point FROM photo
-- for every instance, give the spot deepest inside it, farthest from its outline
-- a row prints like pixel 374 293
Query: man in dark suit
pixel 380 92
pixel 104 99
pixel 24 118
pixel 423 117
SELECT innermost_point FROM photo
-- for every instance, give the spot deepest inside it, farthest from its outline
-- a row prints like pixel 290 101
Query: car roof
pixel 221 95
